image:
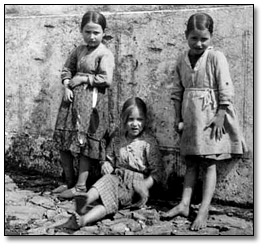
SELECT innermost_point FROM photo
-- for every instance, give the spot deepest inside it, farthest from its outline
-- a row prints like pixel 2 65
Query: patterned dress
pixel 133 160
pixel 81 125
pixel 200 91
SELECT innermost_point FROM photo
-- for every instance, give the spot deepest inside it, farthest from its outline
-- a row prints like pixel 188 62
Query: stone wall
pixel 145 40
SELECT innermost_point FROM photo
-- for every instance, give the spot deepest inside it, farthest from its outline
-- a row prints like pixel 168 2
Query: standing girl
pixel 83 115
pixel 205 116
pixel 133 165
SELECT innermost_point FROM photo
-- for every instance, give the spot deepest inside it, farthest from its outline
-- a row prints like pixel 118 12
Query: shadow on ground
pixel 30 209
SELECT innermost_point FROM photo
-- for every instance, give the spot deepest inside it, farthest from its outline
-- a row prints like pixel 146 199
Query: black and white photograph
pixel 129 120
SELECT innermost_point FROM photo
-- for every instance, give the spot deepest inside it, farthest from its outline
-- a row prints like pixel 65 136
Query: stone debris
pixel 28 212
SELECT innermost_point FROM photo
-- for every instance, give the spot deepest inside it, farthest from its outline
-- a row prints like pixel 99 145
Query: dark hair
pixel 95 17
pixel 129 105
pixel 200 21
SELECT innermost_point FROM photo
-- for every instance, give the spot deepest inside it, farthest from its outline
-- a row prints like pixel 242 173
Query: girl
pixel 205 116
pixel 133 165
pixel 83 114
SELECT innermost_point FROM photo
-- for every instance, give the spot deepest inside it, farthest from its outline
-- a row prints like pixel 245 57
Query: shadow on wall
pixel 29 159
pixel 227 189
pixel 32 146
pixel 33 151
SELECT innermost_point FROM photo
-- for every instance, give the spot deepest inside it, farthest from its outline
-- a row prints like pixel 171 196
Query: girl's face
pixel 135 123
pixel 92 34
pixel 199 41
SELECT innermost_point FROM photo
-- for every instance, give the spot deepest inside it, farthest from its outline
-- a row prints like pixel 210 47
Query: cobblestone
pixel 32 210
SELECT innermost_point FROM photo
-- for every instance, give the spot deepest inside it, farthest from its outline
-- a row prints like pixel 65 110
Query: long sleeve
pixel 70 66
pixel 110 152
pixel 155 163
pixel 103 76
pixel 178 89
pixel 224 82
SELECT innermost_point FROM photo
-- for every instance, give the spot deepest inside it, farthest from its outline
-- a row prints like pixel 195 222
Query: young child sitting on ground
pixel 133 165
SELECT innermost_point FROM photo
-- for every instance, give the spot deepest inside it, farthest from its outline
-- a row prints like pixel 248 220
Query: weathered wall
pixel 145 41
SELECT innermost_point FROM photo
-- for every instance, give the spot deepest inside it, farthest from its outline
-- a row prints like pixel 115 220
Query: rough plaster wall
pixel 145 45
pixel 37 10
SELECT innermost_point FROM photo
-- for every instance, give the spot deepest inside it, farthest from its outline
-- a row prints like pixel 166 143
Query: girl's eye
pixel 90 32
pixel 131 119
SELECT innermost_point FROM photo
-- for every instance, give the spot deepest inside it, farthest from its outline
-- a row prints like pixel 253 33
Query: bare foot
pixel 181 209
pixel 75 221
pixel 81 204
pixel 200 221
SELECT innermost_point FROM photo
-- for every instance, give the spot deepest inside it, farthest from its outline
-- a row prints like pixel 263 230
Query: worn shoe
pixel 60 189
pixel 72 192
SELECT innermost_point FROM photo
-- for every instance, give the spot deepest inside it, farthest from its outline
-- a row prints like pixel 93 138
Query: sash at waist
pixel 200 89
pixel 208 96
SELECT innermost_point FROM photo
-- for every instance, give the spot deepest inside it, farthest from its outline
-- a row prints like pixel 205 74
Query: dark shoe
pixel 72 192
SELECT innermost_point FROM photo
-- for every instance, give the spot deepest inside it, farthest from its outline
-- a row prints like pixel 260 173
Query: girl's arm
pixel 217 123
pixel 154 161
pixel 68 95
pixel 67 73
pixel 177 108
pixel 149 182
pixel 225 94
pixel 108 165
pixel 141 187
pixel 70 66
pixel 104 76
pixel 177 95
pixel 223 78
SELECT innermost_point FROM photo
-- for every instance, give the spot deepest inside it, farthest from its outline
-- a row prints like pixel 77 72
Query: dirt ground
pixel 30 209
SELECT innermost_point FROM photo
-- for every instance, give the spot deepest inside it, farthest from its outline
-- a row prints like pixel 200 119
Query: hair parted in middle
pixel 95 17
pixel 199 21
pixel 129 105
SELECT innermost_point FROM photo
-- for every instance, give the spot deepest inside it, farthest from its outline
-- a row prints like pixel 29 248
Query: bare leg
pixel 190 178
pixel 67 163
pixel 95 214
pixel 209 185
pixel 80 186
pixel 82 201
pixel 83 172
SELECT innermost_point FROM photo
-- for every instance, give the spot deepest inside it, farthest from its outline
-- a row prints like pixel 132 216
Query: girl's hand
pixel 217 125
pixel 68 96
pixel 106 168
pixel 141 188
pixel 178 127
pixel 77 80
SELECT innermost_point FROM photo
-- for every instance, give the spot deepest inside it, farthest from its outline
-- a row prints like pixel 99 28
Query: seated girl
pixel 133 164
